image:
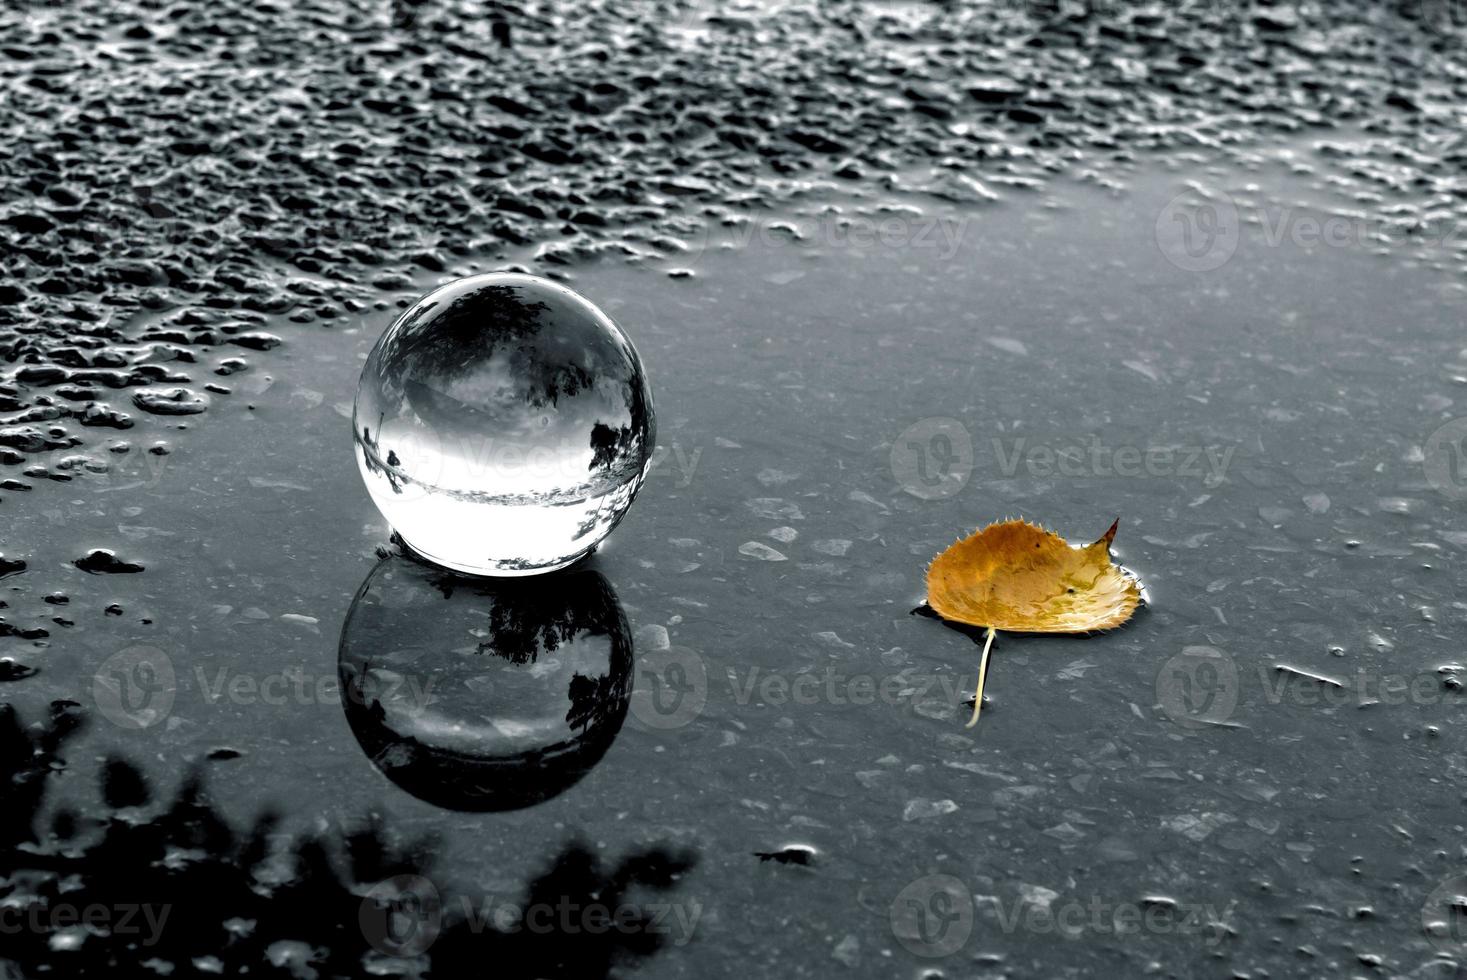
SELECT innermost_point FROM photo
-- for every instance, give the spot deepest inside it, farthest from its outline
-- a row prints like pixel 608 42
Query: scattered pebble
pixel 761 551
pixel 104 562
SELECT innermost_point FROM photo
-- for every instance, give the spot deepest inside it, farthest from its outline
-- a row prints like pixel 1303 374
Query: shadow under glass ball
pixel 503 425
pixel 479 695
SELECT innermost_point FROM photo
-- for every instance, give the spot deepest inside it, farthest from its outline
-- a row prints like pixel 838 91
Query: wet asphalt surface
pixel 895 271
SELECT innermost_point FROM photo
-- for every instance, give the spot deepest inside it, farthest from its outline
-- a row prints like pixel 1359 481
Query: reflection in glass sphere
pixel 503 425
pixel 476 694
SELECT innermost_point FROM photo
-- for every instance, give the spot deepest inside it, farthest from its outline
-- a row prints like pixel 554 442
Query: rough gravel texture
pixel 177 173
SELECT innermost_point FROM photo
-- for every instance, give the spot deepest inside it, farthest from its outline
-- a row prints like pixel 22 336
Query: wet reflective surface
pixel 503 425
pixel 898 270
pixel 767 577
pixel 476 695
pixel 1259 775
pixel 134 883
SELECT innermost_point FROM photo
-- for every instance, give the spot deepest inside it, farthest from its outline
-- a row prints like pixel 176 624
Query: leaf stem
pixel 982 673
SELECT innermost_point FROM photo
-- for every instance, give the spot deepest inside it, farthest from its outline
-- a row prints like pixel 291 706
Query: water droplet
pixel 801 854
pixel 503 425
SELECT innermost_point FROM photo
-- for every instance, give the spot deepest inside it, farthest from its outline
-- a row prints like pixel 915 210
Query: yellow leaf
pixel 1018 577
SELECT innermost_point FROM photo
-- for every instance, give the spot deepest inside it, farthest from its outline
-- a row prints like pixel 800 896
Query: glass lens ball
pixel 503 425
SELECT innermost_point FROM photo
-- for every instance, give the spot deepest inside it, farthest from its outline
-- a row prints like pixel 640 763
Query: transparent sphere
pixel 478 695
pixel 503 425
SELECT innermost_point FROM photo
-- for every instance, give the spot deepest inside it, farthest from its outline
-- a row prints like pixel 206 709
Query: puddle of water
pixel 836 403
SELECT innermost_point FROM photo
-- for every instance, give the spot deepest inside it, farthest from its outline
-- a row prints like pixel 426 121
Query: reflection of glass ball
pixel 480 695
pixel 503 425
